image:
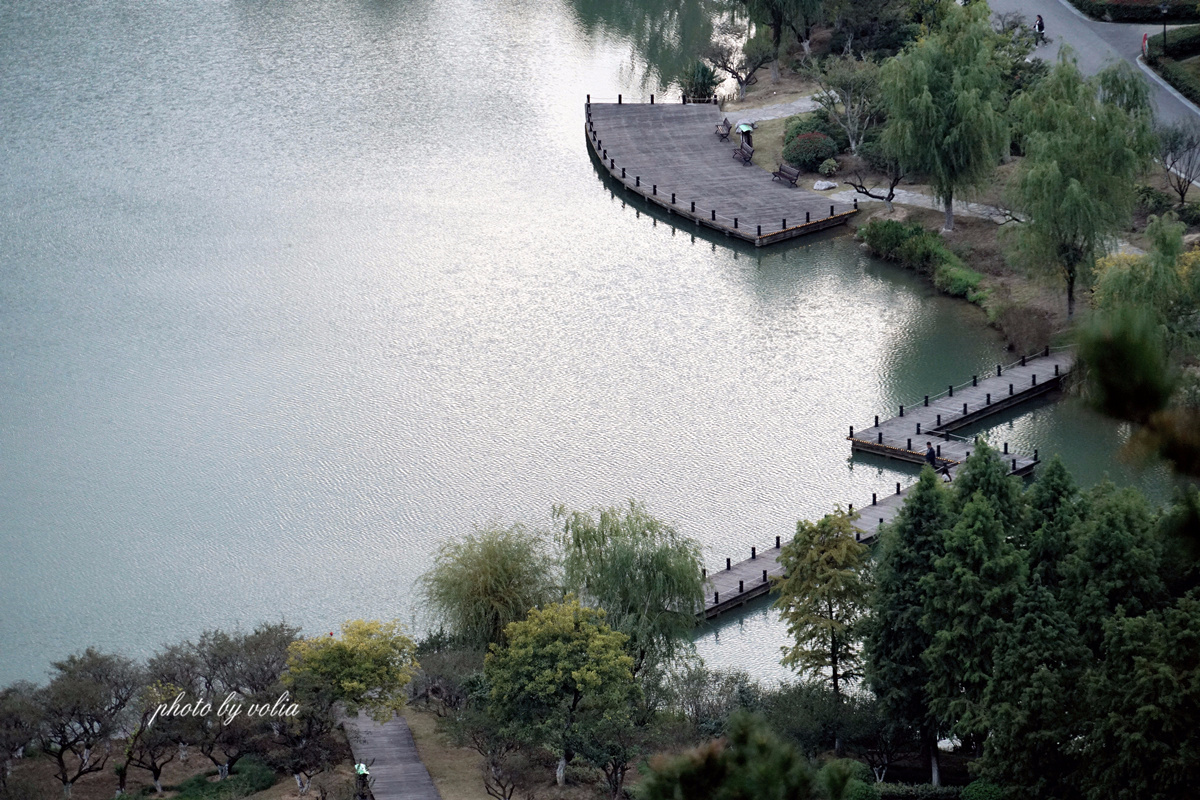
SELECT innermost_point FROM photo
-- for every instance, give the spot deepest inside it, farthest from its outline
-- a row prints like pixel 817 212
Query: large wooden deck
pixel 903 437
pixel 670 155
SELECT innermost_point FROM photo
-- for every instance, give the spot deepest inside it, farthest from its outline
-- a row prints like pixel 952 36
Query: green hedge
pixel 1138 12
pixel 925 252
pixel 982 790
pixel 918 791
pixel 808 150
pixel 1178 76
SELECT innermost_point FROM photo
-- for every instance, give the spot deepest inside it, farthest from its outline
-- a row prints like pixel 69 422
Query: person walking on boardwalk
pixel 1039 31
pixel 930 456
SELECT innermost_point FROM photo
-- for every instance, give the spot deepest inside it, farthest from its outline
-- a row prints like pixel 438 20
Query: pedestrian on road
pixel 930 456
pixel 1039 30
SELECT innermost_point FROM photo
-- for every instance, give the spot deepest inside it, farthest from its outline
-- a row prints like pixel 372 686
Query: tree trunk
pixel 741 90
pixel 1070 293
pixel 775 77
pixel 935 776
pixel 67 790
pixel 560 772
pixel 949 226
pixel 223 771
pixel 158 784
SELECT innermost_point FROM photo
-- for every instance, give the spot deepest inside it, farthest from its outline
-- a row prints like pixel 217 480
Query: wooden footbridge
pixel 903 437
pixel 388 750
pixel 670 155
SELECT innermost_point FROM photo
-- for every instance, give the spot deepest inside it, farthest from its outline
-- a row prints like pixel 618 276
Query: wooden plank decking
pixel 1030 378
pixel 397 772
pixel 670 155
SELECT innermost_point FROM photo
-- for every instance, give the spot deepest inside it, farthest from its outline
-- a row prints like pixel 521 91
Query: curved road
pixel 1096 44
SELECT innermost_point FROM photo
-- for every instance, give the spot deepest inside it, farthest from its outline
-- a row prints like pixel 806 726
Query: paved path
pixel 774 111
pixel 1097 44
pixel 397 772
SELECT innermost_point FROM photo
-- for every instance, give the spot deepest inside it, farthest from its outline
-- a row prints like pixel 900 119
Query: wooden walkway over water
pixel 397 772
pixel 903 437
pixel 670 155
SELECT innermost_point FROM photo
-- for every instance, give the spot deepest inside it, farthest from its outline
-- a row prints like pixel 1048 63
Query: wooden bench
pixel 787 174
pixel 724 128
pixel 744 152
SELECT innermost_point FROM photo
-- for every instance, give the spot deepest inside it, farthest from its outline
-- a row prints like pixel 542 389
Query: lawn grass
pixel 768 144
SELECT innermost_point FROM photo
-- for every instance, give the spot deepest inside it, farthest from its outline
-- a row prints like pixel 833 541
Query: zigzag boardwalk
pixel 397 772
pixel 903 437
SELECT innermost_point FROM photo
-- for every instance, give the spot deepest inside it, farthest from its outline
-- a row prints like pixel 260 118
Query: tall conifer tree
pixel 895 639
pixel 1033 700
pixel 969 599
pixel 1115 564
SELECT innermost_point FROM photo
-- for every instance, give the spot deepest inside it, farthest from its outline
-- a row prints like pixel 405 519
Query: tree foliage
pixel 1085 140
pixel 823 598
pixel 1179 152
pixel 563 677
pixel 492 578
pixel 81 709
pixel 369 667
pixel 849 94
pixel 749 764
pixel 896 639
pixel 944 107
pixel 644 574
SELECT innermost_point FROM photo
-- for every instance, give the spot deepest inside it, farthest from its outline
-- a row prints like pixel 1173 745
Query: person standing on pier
pixel 930 456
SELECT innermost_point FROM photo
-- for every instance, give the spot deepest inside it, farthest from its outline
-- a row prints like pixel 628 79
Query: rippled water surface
pixel 291 293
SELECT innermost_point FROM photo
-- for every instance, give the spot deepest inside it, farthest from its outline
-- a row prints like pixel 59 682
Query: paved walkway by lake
pixel 388 749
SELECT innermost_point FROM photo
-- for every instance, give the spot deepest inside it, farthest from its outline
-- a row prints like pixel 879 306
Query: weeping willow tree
pixel 494 576
pixel 944 105
pixel 1085 141
pixel 641 571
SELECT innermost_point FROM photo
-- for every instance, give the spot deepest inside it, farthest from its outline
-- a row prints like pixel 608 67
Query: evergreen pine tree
pixel 895 639
pixel 1053 503
pixel 1144 697
pixel 970 596
pixel 987 472
pixel 1115 563
pixel 1033 699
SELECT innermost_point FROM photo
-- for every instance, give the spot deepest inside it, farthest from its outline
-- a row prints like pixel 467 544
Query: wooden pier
pixel 903 437
pixel 670 155
pixel 397 772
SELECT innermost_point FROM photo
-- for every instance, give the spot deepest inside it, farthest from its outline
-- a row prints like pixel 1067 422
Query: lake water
pixel 291 293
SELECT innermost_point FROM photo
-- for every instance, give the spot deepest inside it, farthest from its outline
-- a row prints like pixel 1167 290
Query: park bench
pixel 723 130
pixel 787 174
pixel 744 152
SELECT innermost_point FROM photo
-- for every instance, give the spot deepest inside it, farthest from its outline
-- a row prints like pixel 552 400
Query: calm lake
pixel 293 292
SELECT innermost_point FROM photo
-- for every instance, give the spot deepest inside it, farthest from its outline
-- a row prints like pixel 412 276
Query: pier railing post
pixel 1034 382
pixel 742 585
pixel 776 542
pixel 783 224
pixel 764 576
pixel 876 420
pixel 807 217
pixel 964 409
pixel 902 411
pixel 831 211
pixel 753 553
pixel 897 488
pixel 618 99
pixel 1010 390
pixel 873 499
pixel 651 99
pixel 951 391
pixel 926 400
pixel 851 431
pixel 1006 448
pixel 918 429
pixel 881 437
pixel 999 370
pixel 974 380
pixel 989 398
pixel 728 564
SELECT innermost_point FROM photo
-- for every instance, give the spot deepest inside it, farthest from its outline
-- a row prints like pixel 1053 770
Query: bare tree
pixel 739 60
pixel 881 160
pixel 18 724
pixel 1179 150
pixel 82 708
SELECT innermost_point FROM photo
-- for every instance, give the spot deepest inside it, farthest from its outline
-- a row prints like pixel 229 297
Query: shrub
pixel 876 157
pixel 1136 12
pixel 982 790
pixel 699 81
pixel 918 791
pixel 861 790
pixel 1189 214
pixel 816 122
pixel 808 150
pixel 248 777
pixel 923 252
pixel 828 168
pixel 1153 201
pixel 885 237
pixel 858 770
